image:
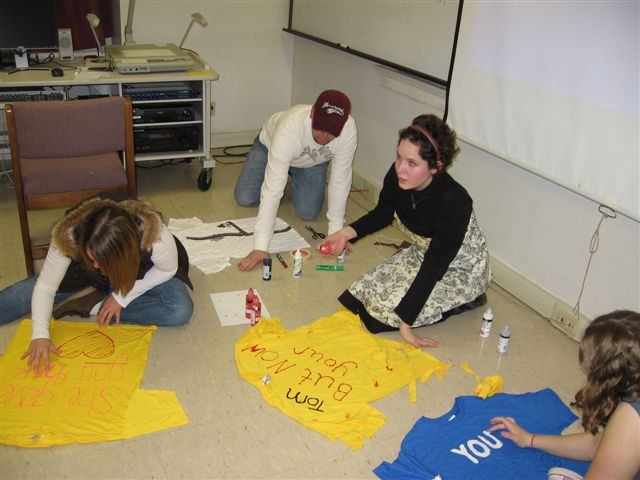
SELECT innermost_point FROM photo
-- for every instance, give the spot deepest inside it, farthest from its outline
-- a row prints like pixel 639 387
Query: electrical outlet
pixel 567 321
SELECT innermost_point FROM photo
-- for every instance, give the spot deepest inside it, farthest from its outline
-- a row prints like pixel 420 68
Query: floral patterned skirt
pixel 381 290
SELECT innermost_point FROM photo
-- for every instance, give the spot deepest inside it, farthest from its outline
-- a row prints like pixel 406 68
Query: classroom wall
pixel 243 42
pixel 539 234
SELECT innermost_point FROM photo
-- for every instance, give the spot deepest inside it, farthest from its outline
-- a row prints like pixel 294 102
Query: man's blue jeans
pixel 166 305
pixel 308 183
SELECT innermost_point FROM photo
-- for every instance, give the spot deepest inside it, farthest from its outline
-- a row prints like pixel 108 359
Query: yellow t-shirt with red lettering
pixel 325 374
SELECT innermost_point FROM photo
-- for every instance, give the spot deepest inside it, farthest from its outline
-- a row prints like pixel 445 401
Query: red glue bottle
pixel 249 299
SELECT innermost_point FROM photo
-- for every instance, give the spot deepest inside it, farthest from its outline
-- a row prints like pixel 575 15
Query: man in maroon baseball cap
pixel 330 112
pixel 299 143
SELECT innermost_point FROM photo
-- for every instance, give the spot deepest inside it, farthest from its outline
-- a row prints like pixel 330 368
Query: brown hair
pixel 436 141
pixel 111 236
pixel 610 356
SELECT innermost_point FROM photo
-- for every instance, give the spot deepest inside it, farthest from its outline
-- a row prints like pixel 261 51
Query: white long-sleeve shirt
pixel 288 137
pixel 164 256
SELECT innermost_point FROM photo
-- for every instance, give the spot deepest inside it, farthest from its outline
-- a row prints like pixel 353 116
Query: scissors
pixel 314 233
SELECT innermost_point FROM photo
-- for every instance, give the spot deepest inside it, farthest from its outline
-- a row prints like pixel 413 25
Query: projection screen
pixel 554 88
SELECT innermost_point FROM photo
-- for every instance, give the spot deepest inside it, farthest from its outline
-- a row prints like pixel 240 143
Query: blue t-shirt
pixel 457 445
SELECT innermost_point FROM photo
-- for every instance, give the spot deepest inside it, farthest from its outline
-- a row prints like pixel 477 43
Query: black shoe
pixel 80 306
pixel 478 302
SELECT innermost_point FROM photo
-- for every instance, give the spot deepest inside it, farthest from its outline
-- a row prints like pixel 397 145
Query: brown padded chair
pixel 64 152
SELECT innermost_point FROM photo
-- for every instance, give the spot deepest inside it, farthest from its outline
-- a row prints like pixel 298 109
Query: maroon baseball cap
pixel 331 112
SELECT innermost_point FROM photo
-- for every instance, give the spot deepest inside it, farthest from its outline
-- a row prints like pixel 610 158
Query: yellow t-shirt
pixel 325 374
pixel 90 393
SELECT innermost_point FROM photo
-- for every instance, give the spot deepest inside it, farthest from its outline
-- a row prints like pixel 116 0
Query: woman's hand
pixel 512 431
pixel 252 260
pixel 338 241
pixel 109 308
pixel 416 340
pixel 38 353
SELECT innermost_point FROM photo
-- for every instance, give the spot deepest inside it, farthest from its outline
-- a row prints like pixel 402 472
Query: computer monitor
pixel 28 25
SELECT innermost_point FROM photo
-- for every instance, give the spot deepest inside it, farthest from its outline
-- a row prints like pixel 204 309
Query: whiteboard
pixel 417 35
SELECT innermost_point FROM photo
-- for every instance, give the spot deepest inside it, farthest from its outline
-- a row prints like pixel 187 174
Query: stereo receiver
pixel 168 113
pixel 166 139
pixel 155 91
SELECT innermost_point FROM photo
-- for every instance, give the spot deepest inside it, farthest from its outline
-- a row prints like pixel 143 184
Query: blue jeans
pixel 308 183
pixel 166 305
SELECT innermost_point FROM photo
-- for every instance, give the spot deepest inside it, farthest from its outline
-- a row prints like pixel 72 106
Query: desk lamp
pixel 94 22
pixel 195 18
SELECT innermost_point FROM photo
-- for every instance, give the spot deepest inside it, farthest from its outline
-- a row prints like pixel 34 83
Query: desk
pixel 171 111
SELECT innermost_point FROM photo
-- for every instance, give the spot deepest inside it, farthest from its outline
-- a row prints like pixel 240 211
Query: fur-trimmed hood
pixel 147 219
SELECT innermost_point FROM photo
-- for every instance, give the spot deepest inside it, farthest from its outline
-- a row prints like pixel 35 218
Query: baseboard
pixel 368 188
pixel 522 288
pixel 229 139
pixel 536 297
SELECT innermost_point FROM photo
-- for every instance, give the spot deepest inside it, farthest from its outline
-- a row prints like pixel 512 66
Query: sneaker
pixel 560 473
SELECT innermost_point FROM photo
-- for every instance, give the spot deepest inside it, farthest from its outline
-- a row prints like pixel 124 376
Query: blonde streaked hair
pixel 610 356
pixel 111 236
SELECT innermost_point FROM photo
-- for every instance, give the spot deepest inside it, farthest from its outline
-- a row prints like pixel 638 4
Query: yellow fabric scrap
pixel 413 392
pixel 487 387
pixel 90 393
pixel 325 374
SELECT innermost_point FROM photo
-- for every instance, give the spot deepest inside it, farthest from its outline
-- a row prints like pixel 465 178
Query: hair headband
pixel 433 143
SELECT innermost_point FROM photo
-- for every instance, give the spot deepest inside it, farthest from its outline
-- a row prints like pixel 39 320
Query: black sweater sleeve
pixel 382 215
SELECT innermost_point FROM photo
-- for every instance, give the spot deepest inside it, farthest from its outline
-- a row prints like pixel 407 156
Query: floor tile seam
pixel 307 302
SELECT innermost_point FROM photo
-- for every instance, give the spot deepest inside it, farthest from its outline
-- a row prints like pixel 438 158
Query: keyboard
pixel 10 97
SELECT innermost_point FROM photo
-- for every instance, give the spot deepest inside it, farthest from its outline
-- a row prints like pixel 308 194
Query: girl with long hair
pixel 609 402
pixel 136 269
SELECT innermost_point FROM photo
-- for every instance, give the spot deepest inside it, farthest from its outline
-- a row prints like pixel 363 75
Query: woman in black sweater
pixel 446 269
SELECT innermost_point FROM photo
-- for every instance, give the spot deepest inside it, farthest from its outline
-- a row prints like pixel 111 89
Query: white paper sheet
pixel 213 256
pixel 230 307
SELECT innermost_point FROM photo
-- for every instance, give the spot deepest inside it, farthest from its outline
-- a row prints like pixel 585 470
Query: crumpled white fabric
pixel 211 256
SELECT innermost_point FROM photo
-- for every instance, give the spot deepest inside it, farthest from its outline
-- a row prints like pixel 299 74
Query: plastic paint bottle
pixel 266 267
pixel 297 264
pixel 503 341
pixel 257 307
pixel 340 258
pixel 487 321
pixel 325 249
pixel 256 311
pixel 248 301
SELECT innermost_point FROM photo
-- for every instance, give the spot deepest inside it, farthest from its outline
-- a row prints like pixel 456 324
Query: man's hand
pixel 38 353
pixel 109 308
pixel 417 341
pixel 252 260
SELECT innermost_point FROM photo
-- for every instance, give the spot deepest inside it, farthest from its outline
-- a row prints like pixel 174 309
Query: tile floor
pixel 232 433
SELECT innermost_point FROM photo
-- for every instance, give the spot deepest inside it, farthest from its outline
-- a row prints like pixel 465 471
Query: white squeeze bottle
pixel 503 341
pixel 487 321
pixel 297 264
